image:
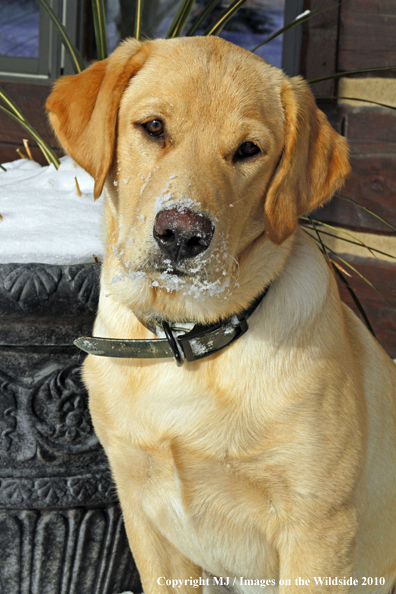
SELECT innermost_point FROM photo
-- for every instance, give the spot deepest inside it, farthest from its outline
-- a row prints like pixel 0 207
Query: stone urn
pixel 61 528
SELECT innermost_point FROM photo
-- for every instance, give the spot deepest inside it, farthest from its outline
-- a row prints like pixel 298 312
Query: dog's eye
pixel 154 127
pixel 246 150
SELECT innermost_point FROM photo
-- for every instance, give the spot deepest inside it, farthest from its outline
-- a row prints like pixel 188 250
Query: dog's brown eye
pixel 154 127
pixel 246 150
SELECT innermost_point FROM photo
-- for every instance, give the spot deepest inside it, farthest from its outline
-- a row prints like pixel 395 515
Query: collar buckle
pixel 172 339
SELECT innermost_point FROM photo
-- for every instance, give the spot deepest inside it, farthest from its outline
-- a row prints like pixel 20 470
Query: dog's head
pixel 208 154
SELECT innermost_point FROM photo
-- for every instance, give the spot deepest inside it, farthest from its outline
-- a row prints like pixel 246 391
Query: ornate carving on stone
pixel 46 289
pixel 92 487
pixel 45 418
pixel 43 492
pixel 29 285
pixel 7 412
pixel 80 551
pixel 85 284
pixel 60 409
pixel 45 424
pixel 61 529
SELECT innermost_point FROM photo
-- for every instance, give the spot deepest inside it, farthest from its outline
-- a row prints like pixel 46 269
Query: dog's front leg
pixel 162 568
pixel 318 559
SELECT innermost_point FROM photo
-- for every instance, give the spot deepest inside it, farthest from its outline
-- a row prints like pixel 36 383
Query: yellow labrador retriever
pixel 268 460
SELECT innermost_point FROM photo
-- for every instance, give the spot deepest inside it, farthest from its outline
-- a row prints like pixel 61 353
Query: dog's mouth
pixel 193 281
pixel 186 269
pixel 172 271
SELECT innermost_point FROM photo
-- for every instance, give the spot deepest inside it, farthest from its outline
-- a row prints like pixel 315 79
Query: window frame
pixel 54 62
pixel 51 61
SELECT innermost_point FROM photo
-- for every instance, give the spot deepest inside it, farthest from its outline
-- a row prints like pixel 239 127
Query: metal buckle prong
pixel 179 359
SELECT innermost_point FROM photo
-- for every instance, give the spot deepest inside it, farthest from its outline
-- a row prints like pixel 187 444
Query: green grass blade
pixel 345 282
pixel 46 150
pixel 355 299
pixel 201 17
pixel 13 110
pixel 363 278
pixel 346 73
pixel 344 232
pixel 219 24
pixel 3 168
pixel 322 247
pixel 99 19
pixel 354 269
pixel 138 19
pixel 359 274
pixel 358 243
pixel 180 18
pixel 329 4
pixel 355 240
pixel 291 25
pixel 11 105
pixel 359 99
pixel 75 57
pixel 367 210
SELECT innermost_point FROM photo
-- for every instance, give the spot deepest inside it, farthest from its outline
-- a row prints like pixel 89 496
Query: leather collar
pixel 197 343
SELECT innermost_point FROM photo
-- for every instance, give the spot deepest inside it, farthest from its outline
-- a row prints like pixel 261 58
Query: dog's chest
pixel 179 459
pixel 183 472
pixel 206 509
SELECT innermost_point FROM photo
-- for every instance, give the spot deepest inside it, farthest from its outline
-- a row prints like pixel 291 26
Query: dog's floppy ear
pixel 83 108
pixel 314 162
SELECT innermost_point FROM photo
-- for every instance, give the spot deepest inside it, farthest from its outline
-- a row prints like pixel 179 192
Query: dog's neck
pixel 155 322
pixel 197 343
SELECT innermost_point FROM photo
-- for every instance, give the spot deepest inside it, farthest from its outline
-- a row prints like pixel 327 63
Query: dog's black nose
pixel 181 233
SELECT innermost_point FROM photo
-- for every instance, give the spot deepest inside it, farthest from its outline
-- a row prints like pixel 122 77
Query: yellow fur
pixel 275 458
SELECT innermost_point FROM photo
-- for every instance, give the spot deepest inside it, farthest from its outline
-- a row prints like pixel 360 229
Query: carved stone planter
pixel 61 529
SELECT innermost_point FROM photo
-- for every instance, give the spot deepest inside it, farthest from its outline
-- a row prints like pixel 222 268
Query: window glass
pixel 252 24
pixel 19 29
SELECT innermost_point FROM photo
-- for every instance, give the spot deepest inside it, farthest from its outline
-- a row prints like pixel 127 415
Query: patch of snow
pixel 161 199
pixel 118 278
pixel 146 181
pixel 197 348
pixel 232 324
pixel 167 201
pixel 43 218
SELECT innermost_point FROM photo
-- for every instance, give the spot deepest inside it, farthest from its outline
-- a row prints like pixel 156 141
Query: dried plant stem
pixel 21 154
pixel 78 187
pixel 27 149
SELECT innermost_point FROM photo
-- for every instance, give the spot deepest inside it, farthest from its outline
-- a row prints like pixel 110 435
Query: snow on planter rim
pixel 44 219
